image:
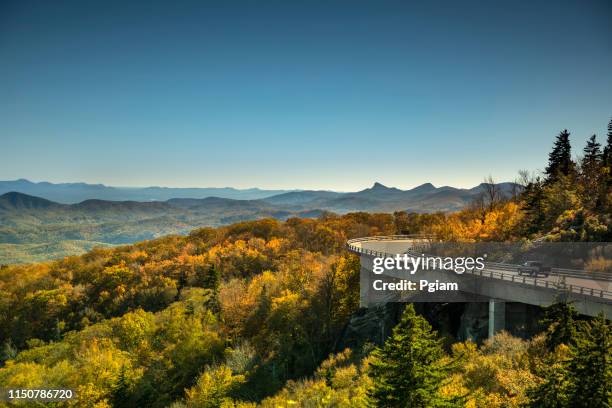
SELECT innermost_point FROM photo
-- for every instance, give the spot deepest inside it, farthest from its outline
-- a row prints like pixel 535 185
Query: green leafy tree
pixel 408 370
pixel 213 389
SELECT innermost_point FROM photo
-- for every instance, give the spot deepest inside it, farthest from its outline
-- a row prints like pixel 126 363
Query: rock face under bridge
pixel 458 321
pixel 496 297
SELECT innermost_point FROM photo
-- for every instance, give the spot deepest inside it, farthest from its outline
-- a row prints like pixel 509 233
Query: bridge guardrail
pixel 575 273
pixel 581 290
pixel 570 273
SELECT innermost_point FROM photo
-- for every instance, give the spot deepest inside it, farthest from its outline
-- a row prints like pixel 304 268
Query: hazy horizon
pixel 365 186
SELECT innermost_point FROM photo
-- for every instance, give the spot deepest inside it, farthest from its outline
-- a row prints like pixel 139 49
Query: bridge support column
pixel 497 316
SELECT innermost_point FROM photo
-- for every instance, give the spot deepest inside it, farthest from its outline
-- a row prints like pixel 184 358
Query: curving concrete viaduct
pixel 497 283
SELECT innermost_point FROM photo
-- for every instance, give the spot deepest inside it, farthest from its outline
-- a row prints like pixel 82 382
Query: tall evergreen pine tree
pixel 607 162
pixel 560 159
pixel 607 151
pixel 552 392
pixel 407 371
pixel 590 370
pixel 121 394
pixel 212 279
pixel 212 282
pixel 592 155
pixel 560 318
pixel 533 202
pixel 591 174
pixel 562 329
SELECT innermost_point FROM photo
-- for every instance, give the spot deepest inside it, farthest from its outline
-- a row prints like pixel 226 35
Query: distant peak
pixel 379 186
pixel 22 181
pixel 424 187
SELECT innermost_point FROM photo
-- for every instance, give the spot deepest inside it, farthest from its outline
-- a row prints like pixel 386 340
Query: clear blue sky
pixel 297 94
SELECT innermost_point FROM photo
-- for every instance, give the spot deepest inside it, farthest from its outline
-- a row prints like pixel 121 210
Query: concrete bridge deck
pixel 590 293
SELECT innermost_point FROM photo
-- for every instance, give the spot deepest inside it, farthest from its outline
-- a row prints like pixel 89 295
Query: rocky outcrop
pixel 370 325
pixel 455 321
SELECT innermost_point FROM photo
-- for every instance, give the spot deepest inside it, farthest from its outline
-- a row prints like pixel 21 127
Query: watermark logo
pixel 412 263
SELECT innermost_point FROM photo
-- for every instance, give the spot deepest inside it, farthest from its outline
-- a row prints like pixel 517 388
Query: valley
pixel 33 228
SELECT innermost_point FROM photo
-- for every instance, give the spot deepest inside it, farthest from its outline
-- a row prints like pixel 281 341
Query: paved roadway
pixel 392 245
pixel 554 280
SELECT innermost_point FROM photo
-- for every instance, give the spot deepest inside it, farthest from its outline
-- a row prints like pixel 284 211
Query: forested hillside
pixel 34 229
pixel 253 313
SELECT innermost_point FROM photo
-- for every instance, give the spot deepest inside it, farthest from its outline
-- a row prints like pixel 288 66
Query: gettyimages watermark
pixel 404 270
pixel 411 263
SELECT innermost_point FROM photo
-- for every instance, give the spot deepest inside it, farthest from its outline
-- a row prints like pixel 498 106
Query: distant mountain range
pixel 34 228
pixel 379 198
pixel 70 193
pixel 424 198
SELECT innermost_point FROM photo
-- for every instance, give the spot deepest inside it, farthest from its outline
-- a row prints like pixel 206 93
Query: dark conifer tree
pixel 592 155
pixel 560 159
pixel 591 174
pixel 533 204
pixel 121 394
pixel 590 370
pixel 607 162
pixel 212 282
pixel 407 371
pixel 583 378
pixel 561 320
pixel 181 281
pixel 212 279
pixel 552 392
pixel 607 151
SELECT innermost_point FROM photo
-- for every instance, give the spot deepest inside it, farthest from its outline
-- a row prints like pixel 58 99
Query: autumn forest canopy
pixel 258 313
